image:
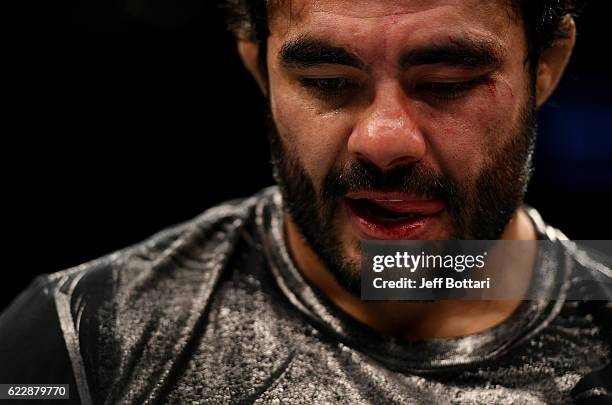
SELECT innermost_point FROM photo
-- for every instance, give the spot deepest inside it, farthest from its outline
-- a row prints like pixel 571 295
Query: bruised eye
pixel 448 90
pixel 328 85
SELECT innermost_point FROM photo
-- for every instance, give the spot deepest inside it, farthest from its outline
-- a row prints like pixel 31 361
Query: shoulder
pixel 582 279
pixel 169 254
pixel 588 263
pixel 101 313
pixel 174 262
pixel 581 322
pixel 586 288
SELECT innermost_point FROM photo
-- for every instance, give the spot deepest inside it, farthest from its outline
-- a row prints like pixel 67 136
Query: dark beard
pixel 480 211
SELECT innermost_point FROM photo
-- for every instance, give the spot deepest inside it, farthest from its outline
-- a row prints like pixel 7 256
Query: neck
pixel 411 320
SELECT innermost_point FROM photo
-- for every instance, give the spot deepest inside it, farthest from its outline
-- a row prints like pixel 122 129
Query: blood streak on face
pixel 492 88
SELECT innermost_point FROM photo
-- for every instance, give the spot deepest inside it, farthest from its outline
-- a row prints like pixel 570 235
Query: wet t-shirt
pixel 214 311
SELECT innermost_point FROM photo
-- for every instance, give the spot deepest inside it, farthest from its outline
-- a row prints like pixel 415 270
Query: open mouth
pixel 391 215
pixel 381 211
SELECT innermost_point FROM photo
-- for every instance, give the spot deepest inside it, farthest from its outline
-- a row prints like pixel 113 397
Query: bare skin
pixel 389 116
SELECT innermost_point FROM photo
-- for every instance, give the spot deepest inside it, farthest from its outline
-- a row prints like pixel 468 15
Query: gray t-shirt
pixel 215 311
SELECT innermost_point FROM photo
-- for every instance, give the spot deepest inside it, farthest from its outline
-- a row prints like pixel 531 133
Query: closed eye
pixel 328 85
pixel 447 91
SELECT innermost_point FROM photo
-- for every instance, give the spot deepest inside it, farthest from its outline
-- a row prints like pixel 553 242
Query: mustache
pixel 416 179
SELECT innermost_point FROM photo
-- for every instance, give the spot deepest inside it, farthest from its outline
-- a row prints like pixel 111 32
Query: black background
pixel 124 117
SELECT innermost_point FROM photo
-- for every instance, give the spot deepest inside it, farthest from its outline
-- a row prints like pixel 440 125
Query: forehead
pixel 301 10
pixel 359 23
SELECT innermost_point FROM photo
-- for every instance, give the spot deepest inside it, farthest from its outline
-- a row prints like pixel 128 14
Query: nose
pixel 388 135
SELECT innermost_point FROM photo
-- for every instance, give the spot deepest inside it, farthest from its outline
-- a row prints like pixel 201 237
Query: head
pixel 402 119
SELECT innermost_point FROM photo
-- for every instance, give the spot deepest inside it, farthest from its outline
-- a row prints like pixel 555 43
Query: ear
pixel 249 53
pixel 553 62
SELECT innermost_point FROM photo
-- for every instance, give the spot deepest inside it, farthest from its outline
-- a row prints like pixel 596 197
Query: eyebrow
pixel 304 52
pixel 466 52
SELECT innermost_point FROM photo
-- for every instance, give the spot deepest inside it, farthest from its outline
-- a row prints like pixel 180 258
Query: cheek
pixel 463 142
pixel 317 139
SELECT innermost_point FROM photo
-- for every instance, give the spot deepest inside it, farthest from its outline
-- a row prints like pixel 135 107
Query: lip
pixel 371 227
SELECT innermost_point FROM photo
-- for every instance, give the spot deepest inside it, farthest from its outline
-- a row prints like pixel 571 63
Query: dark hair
pixel 543 19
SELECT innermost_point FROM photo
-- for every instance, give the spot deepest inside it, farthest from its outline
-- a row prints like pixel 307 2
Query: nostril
pixel 400 161
pixel 384 164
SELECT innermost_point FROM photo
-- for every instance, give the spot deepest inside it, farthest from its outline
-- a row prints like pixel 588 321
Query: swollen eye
pixel 447 91
pixel 450 86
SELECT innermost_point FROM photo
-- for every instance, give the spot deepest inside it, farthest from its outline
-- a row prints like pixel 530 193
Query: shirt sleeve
pixel 32 346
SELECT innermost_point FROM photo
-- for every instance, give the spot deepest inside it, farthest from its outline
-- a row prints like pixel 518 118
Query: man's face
pixel 398 119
